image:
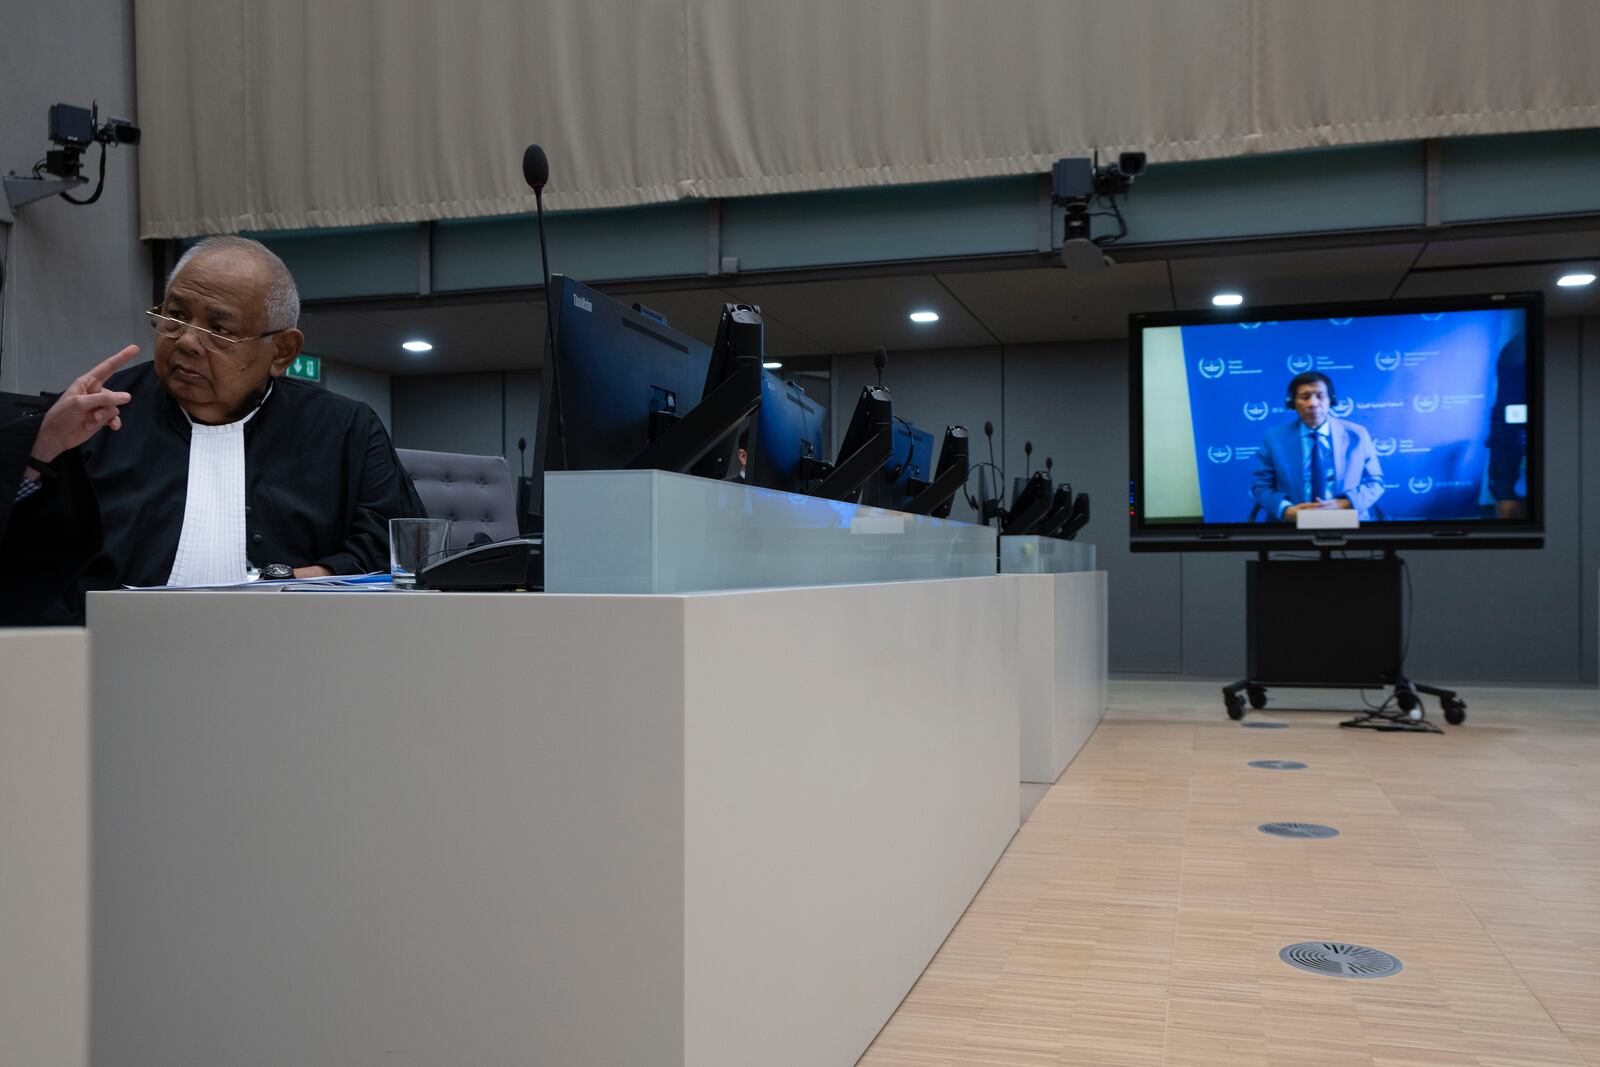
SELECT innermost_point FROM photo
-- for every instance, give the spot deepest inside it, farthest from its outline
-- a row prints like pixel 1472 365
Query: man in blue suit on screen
pixel 1317 461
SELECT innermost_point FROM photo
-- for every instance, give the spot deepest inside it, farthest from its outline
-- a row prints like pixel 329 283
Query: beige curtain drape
pixel 269 114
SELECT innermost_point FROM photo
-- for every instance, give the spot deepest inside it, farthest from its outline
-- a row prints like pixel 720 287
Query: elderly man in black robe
pixel 205 466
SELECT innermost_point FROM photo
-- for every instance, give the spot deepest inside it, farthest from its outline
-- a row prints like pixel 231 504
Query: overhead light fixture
pixel 1228 300
pixel 417 346
pixel 1572 281
pixel 924 316
pixel 772 364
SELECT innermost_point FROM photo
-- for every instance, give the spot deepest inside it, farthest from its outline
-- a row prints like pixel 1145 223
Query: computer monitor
pixel 698 441
pixel 1028 505
pixel 622 390
pixel 1060 511
pixel 907 472
pixel 868 443
pixel 939 496
pixel 785 445
pixel 614 378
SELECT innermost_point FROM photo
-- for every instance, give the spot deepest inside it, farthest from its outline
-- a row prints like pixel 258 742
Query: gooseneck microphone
pixel 522 454
pixel 880 359
pixel 536 172
pixel 535 168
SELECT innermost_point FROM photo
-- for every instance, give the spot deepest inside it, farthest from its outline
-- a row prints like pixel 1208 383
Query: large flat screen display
pixel 1421 419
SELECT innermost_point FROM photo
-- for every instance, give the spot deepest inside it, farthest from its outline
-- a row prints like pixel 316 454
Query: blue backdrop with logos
pixel 1422 384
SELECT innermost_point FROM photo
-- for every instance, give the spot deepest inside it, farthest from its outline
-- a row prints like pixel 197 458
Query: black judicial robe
pixel 322 482
pixel 45 548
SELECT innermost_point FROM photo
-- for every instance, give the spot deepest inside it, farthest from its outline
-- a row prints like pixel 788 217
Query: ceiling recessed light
pixel 1228 300
pixel 1572 281
pixel 417 346
pixel 924 316
pixel 772 364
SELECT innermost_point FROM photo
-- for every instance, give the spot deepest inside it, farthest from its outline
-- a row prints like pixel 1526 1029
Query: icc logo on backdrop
pixel 1425 403
pixel 1387 360
pixel 1219 453
pixel 1212 369
pixel 1420 485
pixel 1344 407
pixel 1299 364
pixel 1256 410
pixel 1385 446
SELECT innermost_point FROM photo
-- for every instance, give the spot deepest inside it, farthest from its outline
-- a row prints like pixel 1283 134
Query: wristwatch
pixel 276 572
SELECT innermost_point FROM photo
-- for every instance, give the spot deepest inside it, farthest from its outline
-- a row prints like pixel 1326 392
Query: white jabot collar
pixel 211 547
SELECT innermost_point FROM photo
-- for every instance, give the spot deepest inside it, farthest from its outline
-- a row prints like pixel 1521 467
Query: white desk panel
pixel 44 847
pixel 347 828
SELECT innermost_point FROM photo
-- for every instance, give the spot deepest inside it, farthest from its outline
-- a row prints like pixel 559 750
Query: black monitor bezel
pixel 1378 536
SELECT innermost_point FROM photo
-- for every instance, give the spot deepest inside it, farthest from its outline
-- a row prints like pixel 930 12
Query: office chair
pixel 476 493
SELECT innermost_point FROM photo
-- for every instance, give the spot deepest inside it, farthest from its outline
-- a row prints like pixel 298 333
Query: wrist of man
pixel 45 449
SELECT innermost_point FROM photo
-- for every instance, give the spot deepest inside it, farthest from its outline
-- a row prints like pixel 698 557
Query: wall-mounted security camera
pixel 1077 184
pixel 72 130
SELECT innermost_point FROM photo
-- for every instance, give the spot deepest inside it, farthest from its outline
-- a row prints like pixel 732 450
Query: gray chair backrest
pixel 477 493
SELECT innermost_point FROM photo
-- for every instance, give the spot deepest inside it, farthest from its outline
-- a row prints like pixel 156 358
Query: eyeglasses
pixel 210 340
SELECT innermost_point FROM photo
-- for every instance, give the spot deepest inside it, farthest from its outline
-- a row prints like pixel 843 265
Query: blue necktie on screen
pixel 1321 469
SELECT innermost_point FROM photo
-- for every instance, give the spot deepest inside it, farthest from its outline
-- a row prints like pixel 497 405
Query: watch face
pixel 277 572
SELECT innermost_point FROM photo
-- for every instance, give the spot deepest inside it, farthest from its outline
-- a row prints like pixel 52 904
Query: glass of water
pixel 413 544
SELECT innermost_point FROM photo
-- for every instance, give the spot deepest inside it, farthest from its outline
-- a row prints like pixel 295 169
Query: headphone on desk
pixel 1310 376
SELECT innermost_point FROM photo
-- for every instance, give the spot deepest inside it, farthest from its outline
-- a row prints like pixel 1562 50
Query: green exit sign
pixel 306 368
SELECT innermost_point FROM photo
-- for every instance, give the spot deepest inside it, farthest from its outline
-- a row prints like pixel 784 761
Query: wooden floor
pixel 1137 916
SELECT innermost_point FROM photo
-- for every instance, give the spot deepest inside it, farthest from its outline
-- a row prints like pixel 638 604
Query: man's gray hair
pixel 283 299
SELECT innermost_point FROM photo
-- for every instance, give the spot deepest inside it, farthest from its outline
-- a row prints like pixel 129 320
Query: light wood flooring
pixel 1137 916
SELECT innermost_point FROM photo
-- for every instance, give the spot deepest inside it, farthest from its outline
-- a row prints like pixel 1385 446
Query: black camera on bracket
pixel 1075 184
pixel 76 128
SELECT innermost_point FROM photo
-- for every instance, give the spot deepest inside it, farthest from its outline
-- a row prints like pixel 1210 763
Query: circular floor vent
pixel 1278 764
pixel 1266 725
pixel 1340 960
pixel 1297 829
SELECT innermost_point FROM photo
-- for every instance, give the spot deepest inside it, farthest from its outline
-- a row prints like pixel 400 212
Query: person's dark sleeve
pixel 50 537
pixel 16 441
pixel 383 491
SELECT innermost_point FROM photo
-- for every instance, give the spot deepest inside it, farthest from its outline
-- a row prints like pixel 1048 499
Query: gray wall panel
pixel 76 278
pixel 449 413
pixel 1071 401
pixel 522 413
pixel 368 386
pixel 1213 614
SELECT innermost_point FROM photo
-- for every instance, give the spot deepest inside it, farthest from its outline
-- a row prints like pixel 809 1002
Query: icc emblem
pixel 1425 403
pixel 1299 364
pixel 1341 322
pixel 1420 485
pixel 1256 410
pixel 1219 453
pixel 1212 368
pixel 1387 360
pixel 1343 408
pixel 1385 446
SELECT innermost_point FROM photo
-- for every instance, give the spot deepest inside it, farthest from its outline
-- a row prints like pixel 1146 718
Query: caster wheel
pixel 1258 697
pixel 1408 700
pixel 1235 709
pixel 1455 712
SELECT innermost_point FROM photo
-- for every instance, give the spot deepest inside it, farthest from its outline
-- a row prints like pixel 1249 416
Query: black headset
pixel 1333 394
